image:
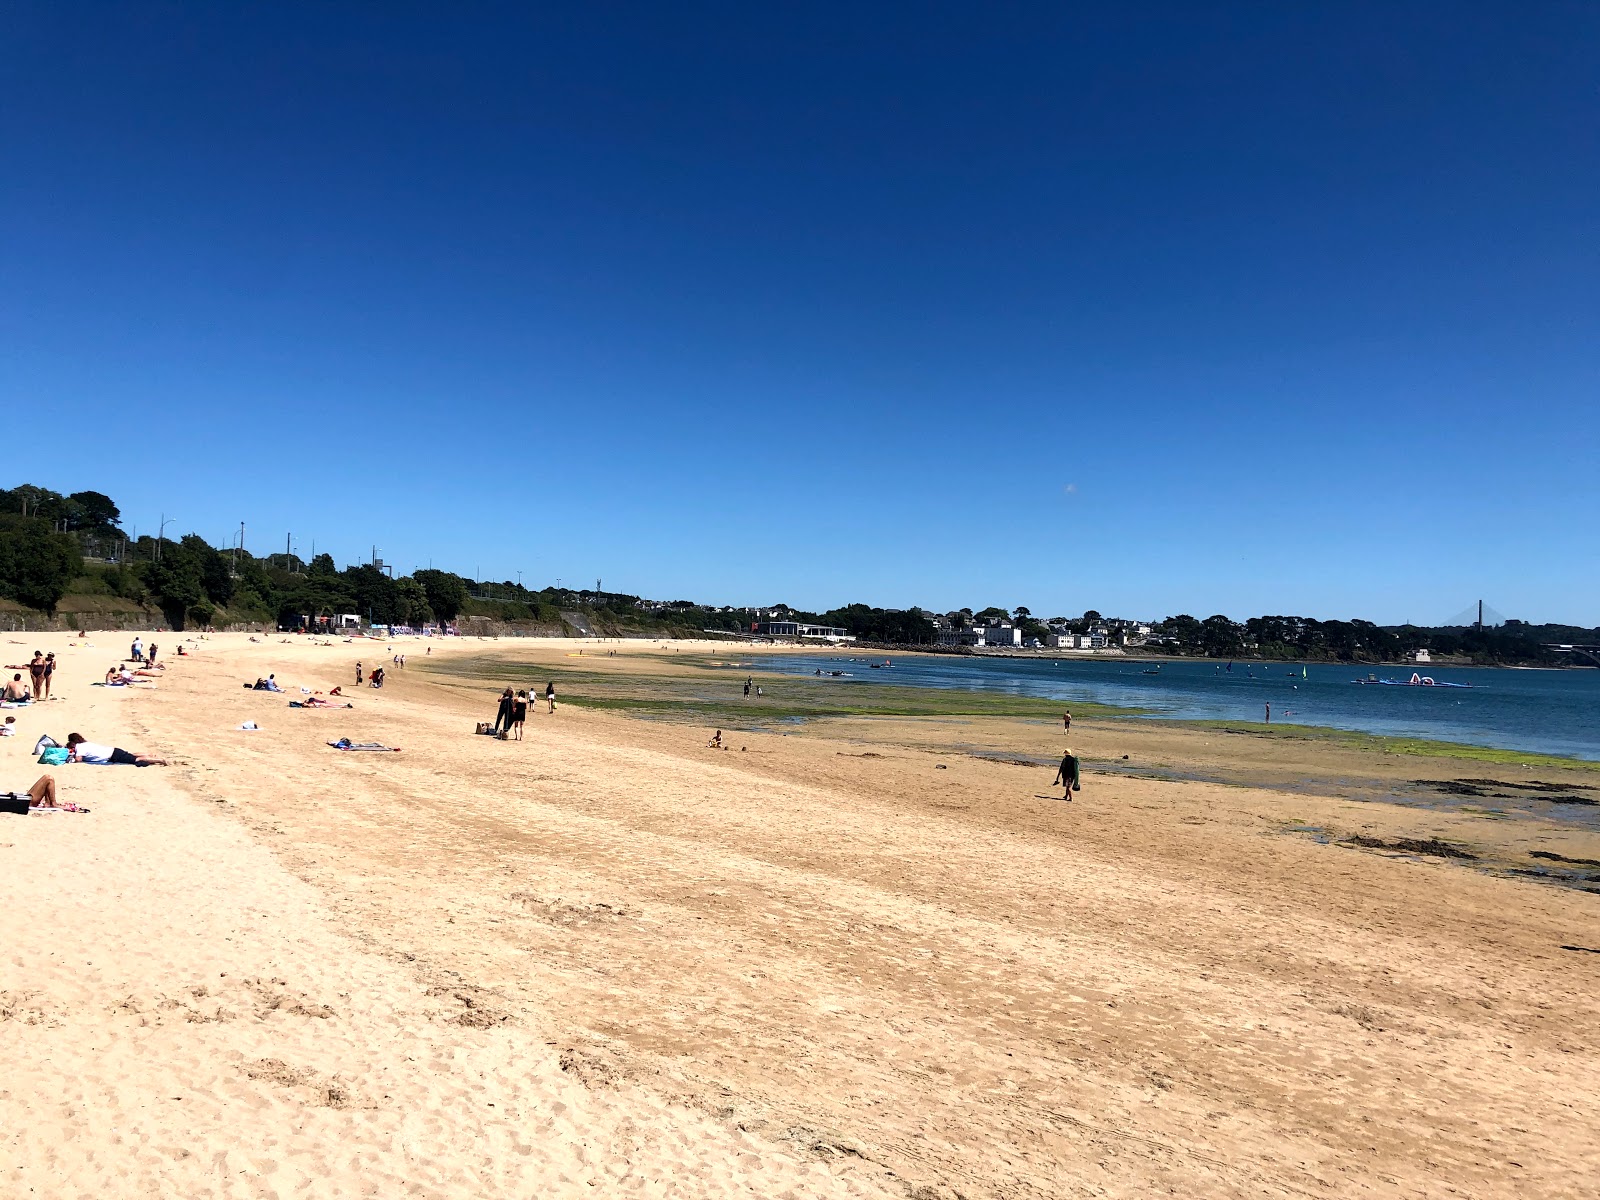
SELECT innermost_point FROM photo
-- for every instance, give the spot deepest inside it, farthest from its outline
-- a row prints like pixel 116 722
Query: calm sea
pixel 1547 712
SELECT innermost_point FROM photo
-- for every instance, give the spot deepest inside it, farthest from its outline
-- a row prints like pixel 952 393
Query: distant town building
pixel 832 633
pixel 801 629
pixel 961 637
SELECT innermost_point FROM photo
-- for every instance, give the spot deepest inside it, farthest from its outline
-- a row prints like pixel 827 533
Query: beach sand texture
pixel 610 961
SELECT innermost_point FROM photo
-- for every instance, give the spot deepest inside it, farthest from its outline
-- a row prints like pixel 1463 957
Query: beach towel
pixel 376 747
pixel 19 804
pixel 55 756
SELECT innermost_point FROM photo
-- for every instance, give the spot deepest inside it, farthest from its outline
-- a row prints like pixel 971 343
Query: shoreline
pixel 1441 747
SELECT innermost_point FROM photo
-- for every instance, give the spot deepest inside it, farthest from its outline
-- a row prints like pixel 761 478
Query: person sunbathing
pixel 41 795
pixel 319 702
pixel 81 749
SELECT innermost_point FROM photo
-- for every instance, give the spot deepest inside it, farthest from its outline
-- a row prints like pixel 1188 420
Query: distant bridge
pixel 1592 653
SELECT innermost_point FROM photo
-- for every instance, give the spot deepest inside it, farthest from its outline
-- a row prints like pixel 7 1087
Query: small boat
pixel 1415 681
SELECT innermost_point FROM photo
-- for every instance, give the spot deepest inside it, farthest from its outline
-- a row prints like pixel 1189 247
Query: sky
pixel 1241 308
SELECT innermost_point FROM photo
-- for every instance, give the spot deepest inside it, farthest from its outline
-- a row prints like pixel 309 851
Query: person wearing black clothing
pixel 519 712
pixel 1067 775
pixel 502 719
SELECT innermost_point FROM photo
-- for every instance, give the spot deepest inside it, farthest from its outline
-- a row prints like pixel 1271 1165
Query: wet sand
pixel 865 957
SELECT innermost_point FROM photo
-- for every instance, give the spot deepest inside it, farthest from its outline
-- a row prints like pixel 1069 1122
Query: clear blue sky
pixel 1147 308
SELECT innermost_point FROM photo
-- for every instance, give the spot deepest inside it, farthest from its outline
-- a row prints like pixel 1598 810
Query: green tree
pixel 376 595
pixel 175 582
pixel 216 574
pixel 446 593
pixel 92 510
pixel 413 602
pixel 36 563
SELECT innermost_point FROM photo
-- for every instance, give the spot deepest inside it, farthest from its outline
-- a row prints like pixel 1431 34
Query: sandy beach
pixel 847 958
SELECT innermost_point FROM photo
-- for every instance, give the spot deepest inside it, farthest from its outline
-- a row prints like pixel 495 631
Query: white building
pixel 961 637
pixel 832 633
pixel 1002 635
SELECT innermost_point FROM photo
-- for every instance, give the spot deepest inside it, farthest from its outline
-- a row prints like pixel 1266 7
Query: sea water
pixel 1545 712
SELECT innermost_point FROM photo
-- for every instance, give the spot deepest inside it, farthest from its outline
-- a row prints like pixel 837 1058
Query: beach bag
pixel 15 803
pixel 55 756
pixel 485 727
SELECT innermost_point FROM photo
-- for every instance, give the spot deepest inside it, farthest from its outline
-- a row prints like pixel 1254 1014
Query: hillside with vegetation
pixel 66 560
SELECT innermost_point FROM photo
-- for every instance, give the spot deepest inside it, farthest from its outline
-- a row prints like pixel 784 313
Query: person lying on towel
pixel 81 749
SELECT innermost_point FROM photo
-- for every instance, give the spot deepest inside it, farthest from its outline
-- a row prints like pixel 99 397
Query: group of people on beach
pixel 513 710
pixel 41 668
pixel 43 793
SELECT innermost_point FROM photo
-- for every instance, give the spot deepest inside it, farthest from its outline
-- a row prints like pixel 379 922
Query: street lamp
pixel 165 521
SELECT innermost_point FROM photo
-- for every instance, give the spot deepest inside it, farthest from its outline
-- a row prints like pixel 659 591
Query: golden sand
pixel 609 961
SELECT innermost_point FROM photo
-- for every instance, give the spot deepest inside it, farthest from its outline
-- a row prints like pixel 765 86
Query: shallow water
pixel 1545 712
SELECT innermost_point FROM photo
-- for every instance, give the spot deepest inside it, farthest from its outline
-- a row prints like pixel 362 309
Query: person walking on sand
pixel 550 694
pixel 150 659
pixel 49 672
pixel 137 650
pixel 1066 722
pixel 519 712
pixel 360 676
pixel 36 666
pixel 502 716
pixel 1067 775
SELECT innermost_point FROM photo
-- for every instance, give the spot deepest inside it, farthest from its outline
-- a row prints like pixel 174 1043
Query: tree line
pixel 45 537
